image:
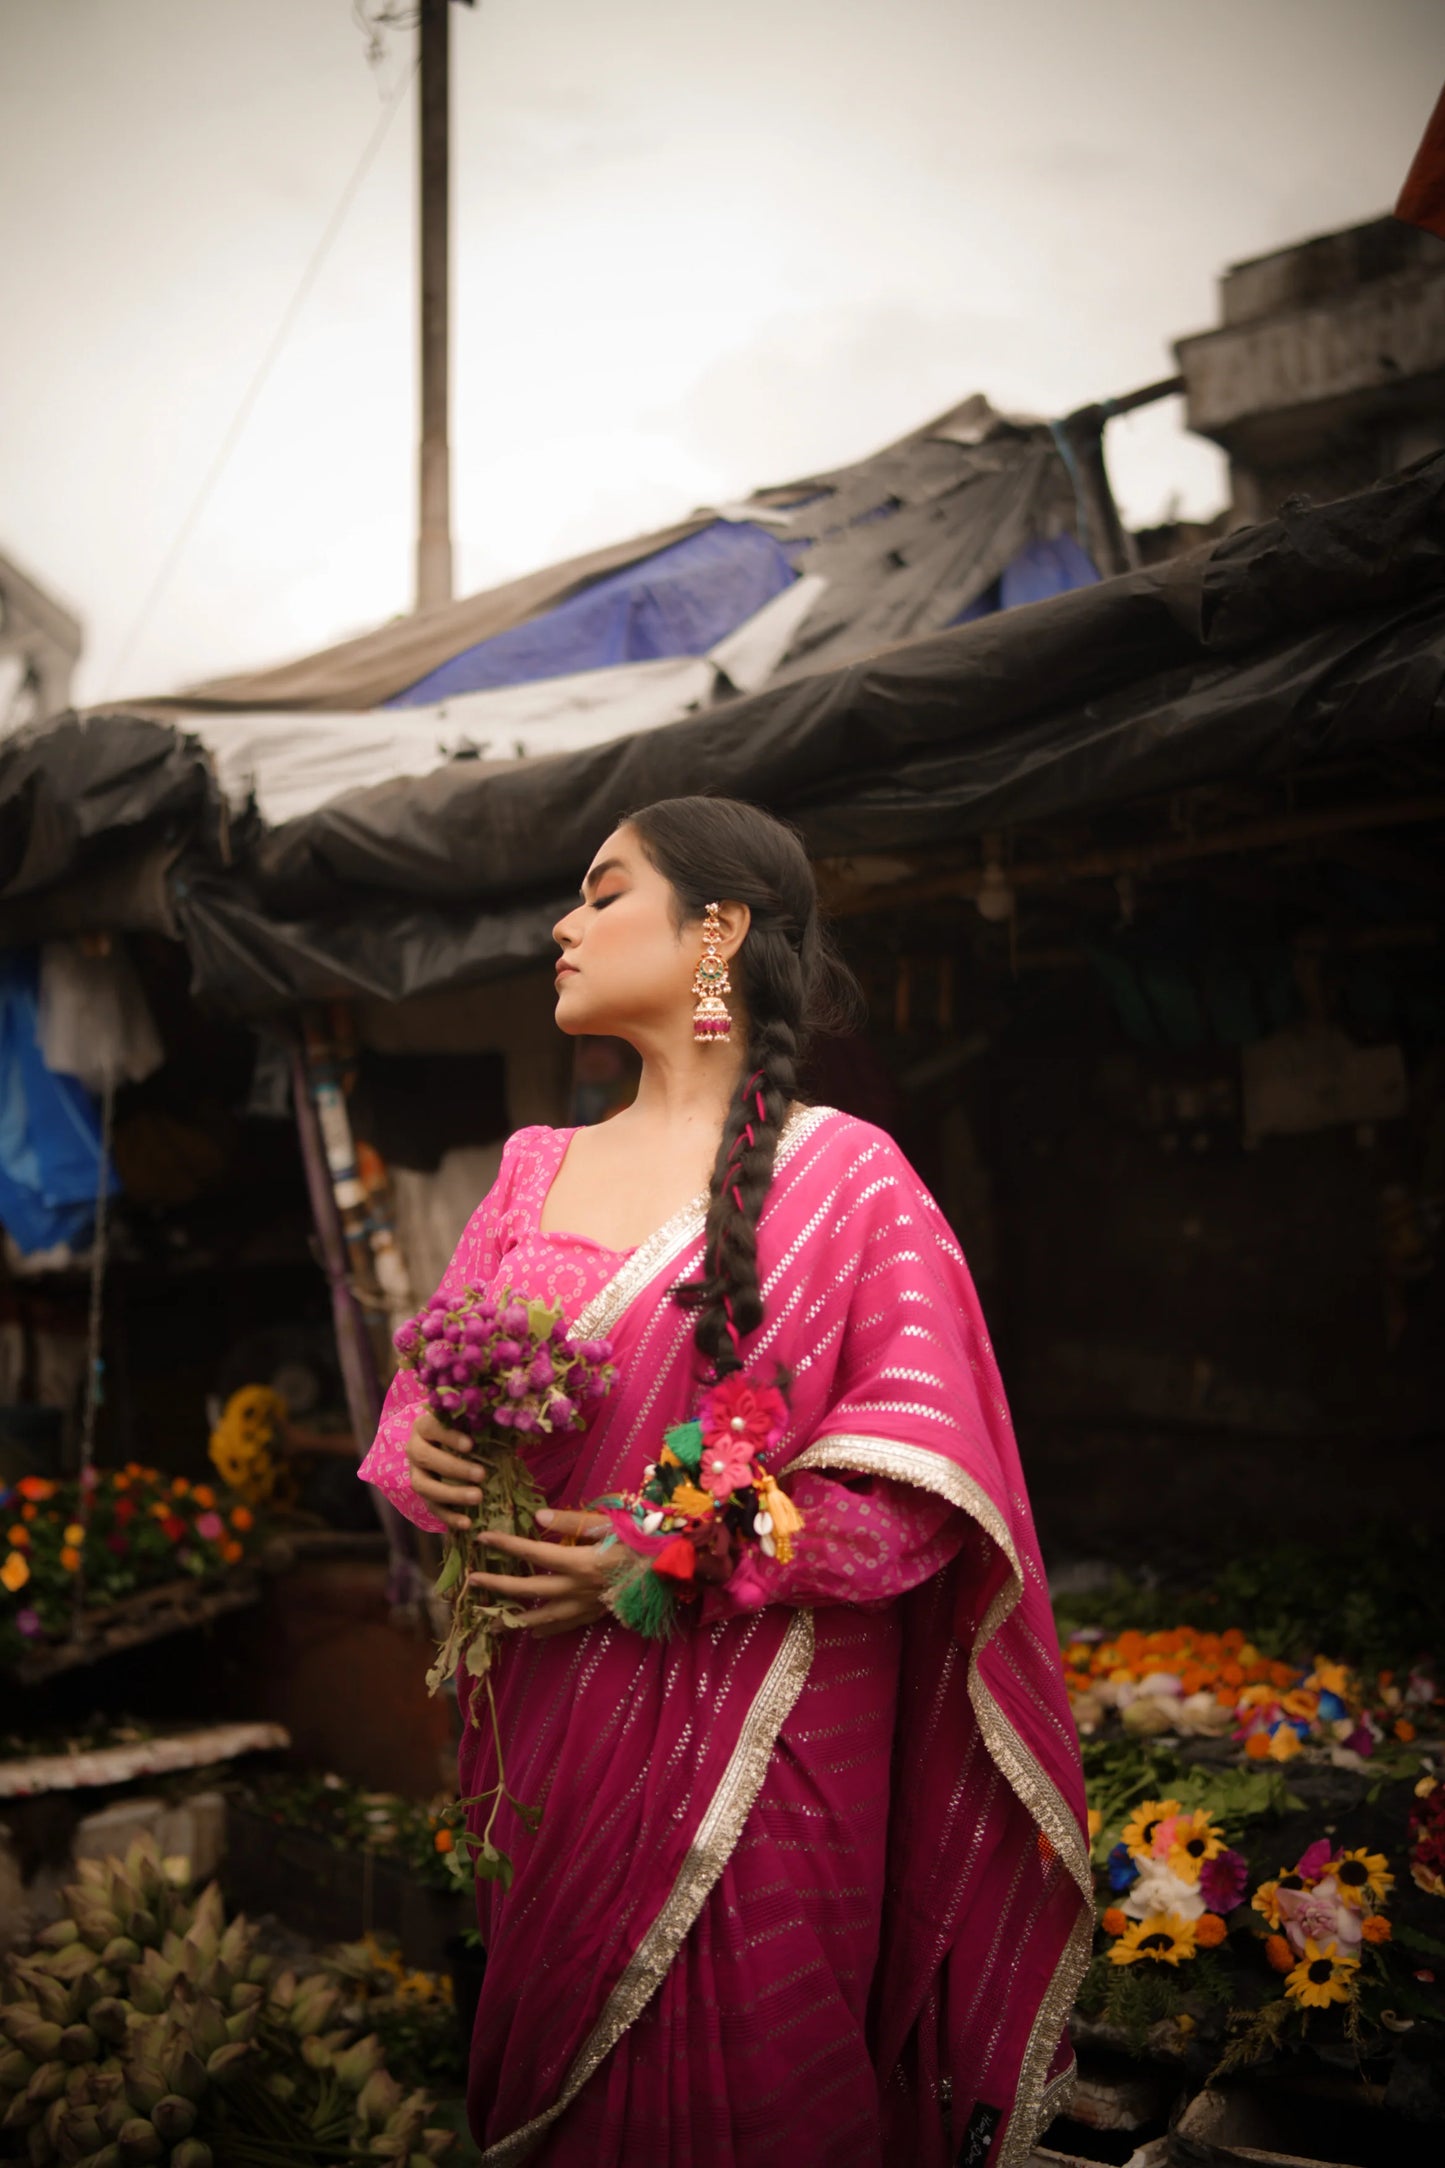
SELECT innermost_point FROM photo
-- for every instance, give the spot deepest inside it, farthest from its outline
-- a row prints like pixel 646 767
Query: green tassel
pixel 643 1601
pixel 685 1440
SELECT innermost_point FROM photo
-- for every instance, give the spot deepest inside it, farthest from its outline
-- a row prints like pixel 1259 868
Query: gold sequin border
pixel 708 1854
pixel 1037 2102
pixel 675 1237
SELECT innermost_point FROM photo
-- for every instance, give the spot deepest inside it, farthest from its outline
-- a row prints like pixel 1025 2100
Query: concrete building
pixel 1328 366
pixel 39 647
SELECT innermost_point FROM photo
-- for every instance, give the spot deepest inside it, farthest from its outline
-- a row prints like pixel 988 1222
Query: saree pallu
pixel 821 1864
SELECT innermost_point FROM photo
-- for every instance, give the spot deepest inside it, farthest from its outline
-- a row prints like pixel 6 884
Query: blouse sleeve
pixel 475 1261
pixel 865 1540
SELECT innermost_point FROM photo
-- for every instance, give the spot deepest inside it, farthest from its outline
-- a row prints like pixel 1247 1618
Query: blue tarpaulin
pixel 1041 568
pixel 680 602
pixel 49 1130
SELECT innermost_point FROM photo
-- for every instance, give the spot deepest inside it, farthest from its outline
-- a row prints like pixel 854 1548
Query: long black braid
pixel 791 983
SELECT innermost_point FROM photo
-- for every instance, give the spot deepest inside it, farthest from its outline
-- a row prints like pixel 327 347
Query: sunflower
pixel 1363 1877
pixel 1164 1938
pixel 1139 1829
pixel 1196 1839
pixel 1322 1976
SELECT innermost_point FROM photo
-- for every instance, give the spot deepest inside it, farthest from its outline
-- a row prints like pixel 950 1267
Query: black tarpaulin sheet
pixel 1315 636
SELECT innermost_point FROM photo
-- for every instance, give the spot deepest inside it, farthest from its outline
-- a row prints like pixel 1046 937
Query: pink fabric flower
pixel 727 1464
pixel 211 1526
pixel 1313 1862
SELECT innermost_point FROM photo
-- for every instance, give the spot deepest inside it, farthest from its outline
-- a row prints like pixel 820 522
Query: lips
pixel 565 971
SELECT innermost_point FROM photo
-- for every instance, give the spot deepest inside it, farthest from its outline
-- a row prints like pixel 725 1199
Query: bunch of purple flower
pixel 500 1362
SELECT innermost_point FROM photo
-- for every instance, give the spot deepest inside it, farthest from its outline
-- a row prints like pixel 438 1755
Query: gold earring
pixel 711 1023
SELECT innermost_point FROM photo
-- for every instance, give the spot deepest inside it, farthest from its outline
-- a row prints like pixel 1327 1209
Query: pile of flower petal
pixel 145 2029
pixel 1219 1685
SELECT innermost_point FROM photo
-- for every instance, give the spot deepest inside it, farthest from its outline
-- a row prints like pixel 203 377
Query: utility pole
pixel 434 530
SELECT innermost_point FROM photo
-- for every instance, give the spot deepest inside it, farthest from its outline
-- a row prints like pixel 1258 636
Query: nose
pixel 562 932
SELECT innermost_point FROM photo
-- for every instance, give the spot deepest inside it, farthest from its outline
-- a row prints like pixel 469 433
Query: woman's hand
pixel 571 1577
pixel 441 1472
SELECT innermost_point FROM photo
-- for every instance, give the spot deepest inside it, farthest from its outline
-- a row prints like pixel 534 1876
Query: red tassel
pixel 676 1561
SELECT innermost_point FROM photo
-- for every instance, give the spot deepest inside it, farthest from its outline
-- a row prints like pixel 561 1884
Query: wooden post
pixel 434 533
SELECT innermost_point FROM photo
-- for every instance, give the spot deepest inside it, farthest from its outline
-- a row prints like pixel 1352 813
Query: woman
pixel 809 1888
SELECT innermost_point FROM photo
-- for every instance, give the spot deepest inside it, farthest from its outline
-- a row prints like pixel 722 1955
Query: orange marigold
pixel 1232 1674
pixel 70 1558
pixel 1209 1931
pixel 242 1518
pixel 1279 1953
pixel 204 1496
pixel 19 1534
pixel 1375 1927
pixel 1256 1746
pixel 1404 1730
pixel 35 1487
pixel 444 1840
pixel 233 1551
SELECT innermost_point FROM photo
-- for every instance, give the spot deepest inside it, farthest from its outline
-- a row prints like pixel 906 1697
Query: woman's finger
pixel 430 1425
pixel 563 1619
pixel 561 1521
pixel 533 1588
pixel 557 1557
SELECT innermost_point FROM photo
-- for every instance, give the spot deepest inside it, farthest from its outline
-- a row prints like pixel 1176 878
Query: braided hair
pixel 792 983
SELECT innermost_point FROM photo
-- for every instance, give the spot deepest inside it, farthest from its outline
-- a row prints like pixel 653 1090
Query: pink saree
pixel 810 1888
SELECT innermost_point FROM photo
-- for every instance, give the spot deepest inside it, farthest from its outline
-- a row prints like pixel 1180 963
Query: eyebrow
pixel 608 865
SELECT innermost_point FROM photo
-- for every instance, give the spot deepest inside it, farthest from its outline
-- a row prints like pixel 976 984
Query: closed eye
pixel 600 903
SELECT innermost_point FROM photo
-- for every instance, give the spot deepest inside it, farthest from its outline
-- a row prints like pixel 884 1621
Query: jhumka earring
pixel 710 1020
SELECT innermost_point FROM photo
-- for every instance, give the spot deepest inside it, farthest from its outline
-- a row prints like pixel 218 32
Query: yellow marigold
pixel 70 1559
pixel 1265 1902
pixel 16 1571
pixel 1331 1679
pixel 75 1533
pixel 1285 1744
pixel 1375 1927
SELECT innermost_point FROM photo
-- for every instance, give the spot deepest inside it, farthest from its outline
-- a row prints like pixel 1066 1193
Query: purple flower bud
pixel 439 1302
pixel 561 1409
pixel 559 1332
pixel 446 1398
pixel 405 1339
pixel 523 1419
pixel 460 1373
pixel 516 1384
pixel 433 1327
pixel 474 1334
pixel 541 1372
pixel 506 1351
pixel 503 1415
pixel 473 1401
pixel 514 1318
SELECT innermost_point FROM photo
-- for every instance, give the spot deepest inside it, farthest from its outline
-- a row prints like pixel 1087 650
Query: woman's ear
pixel 733 921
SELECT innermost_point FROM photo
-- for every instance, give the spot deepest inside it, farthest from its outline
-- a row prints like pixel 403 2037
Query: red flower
pixel 676 1561
pixel 743 1413
pixel 173 1527
pixel 119 1544
pixel 124 1511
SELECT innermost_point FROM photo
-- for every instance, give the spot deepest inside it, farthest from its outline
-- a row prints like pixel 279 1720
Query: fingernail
pixel 546 1516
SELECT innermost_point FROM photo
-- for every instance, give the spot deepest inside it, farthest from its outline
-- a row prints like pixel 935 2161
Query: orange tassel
pixel 787 1520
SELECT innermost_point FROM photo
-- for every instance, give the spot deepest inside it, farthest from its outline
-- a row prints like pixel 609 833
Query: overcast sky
pixel 698 247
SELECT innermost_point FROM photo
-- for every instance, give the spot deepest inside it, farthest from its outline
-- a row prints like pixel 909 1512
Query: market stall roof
pixel 1316 636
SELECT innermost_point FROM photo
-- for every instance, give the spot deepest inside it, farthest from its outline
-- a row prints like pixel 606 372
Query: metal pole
pixel 434 534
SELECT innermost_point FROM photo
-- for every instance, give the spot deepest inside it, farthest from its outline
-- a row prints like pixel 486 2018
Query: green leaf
pixel 541 1317
pixel 451 1571
pixel 1415 1939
